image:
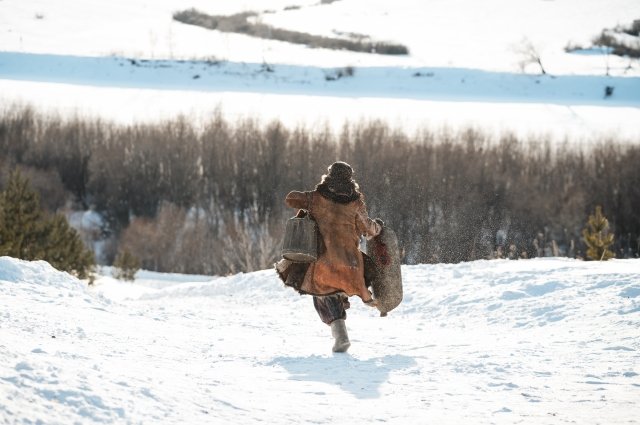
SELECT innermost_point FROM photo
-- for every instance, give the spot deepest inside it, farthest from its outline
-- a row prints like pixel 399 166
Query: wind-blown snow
pixel 528 341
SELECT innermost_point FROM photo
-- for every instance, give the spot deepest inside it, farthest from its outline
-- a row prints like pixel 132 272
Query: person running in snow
pixel 338 207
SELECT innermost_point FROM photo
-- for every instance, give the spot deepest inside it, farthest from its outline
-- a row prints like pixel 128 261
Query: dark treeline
pixel 210 199
pixel 240 24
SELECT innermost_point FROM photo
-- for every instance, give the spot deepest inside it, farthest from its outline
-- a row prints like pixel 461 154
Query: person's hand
pixel 372 303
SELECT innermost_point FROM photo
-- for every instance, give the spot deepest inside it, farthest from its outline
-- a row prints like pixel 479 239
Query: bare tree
pixel 211 200
pixel 528 54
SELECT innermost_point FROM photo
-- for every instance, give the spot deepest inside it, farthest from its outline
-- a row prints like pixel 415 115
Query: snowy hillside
pixel 454 33
pixel 464 66
pixel 530 341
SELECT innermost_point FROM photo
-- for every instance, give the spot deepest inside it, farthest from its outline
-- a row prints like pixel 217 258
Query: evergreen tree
pixel 126 265
pixel 597 237
pixel 5 245
pixel 26 234
pixel 23 226
pixel 64 249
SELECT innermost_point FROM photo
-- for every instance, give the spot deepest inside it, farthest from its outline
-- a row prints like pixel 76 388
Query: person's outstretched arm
pixel 299 200
pixel 367 227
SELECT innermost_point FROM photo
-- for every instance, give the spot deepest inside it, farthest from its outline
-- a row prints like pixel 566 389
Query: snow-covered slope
pixel 529 341
pixel 466 55
pixel 439 33
pixel 380 82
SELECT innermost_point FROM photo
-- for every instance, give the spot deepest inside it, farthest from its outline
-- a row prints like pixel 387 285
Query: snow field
pixel 452 34
pixel 529 341
pixel 537 341
pixel 471 47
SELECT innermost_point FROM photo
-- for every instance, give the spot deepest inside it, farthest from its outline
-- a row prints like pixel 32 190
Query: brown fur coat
pixel 340 264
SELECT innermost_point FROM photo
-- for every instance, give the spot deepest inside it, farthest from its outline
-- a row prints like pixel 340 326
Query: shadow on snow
pixel 362 378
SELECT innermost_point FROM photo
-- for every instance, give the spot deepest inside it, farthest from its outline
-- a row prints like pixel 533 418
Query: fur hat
pixel 338 185
pixel 340 170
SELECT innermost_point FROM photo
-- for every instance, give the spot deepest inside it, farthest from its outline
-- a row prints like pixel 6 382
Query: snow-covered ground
pixel 439 33
pixel 544 341
pixel 71 56
pixel 536 341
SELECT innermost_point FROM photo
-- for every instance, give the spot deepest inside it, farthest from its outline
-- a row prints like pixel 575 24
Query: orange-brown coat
pixel 340 265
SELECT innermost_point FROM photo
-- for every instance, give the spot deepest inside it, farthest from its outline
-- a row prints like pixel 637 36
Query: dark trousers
pixel 331 307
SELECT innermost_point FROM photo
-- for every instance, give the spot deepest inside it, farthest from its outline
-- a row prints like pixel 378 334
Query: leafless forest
pixel 210 200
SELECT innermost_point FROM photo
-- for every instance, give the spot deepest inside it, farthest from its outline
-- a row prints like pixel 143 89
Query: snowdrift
pixel 528 341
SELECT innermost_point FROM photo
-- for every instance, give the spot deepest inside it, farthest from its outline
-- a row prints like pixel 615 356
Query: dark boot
pixel 339 332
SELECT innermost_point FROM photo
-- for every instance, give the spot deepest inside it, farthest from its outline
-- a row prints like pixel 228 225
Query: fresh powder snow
pixel 542 341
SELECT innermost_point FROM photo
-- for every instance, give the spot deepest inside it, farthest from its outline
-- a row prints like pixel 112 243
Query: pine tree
pixel 26 234
pixel 64 249
pixel 126 265
pixel 5 244
pixel 597 237
pixel 23 226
